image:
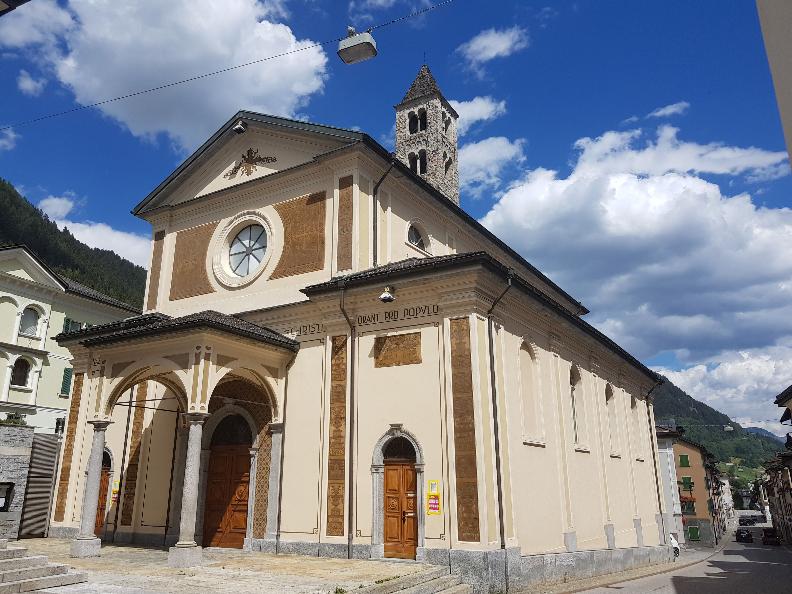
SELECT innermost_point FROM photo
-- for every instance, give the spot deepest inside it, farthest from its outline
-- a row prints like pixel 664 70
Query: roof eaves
pixel 249 115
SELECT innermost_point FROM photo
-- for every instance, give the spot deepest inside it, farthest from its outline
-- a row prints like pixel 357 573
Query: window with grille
pixel 30 322
pixel 20 373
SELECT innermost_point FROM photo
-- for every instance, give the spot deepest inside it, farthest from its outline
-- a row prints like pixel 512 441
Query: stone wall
pixel 15 446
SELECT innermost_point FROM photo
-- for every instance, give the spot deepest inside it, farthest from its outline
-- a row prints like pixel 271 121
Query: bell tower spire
pixel 426 134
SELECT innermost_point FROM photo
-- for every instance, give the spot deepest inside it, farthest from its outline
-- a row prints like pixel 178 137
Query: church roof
pixel 425 85
pixel 148 325
pixel 415 266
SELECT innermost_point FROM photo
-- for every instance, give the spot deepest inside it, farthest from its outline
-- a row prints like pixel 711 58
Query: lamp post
pixel 357 47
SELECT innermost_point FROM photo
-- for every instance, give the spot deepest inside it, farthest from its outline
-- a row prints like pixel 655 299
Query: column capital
pixel 100 425
pixel 196 418
pixel 253 452
pixel 275 427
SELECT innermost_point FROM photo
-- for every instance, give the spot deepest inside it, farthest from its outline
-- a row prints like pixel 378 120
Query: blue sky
pixel 672 227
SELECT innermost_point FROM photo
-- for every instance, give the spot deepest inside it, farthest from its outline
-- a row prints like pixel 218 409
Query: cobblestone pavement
pixel 135 570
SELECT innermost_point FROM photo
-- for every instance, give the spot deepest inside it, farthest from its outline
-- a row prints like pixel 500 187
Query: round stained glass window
pixel 247 250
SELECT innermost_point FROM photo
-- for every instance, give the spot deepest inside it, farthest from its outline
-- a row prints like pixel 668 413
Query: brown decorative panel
pixel 464 432
pixel 189 262
pixel 398 349
pixel 68 447
pixel 130 481
pixel 255 402
pixel 344 255
pixel 154 274
pixel 336 460
pixel 304 235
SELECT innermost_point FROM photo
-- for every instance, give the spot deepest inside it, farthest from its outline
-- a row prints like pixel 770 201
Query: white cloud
pixel 491 44
pixel 57 207
pixel 8 139
pixel 478 109
pixel 35 23
pixel 482 164
pixel 132 246
pixel 665 259
pixel 29 85
pixel 669 110
pixel 103 54
pixel 744 383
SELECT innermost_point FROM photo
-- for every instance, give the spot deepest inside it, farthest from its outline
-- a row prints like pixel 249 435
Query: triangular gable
pixel 268 144
pixel 18 261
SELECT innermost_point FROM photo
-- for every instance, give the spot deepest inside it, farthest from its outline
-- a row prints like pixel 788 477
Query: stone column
pixel 87 544
pixel 273 495
pixel 248 544
pixel 378 514
pixel 187 553
pixel 7 382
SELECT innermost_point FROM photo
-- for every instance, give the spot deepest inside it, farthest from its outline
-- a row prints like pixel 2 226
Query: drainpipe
pixel 652 433
pixel 351 472
pixel 494 391
pixel 375 251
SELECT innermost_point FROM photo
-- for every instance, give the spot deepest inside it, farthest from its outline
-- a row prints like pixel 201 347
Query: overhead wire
pixel 161 87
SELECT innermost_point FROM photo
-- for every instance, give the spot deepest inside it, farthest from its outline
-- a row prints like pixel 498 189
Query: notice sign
pixel 433 498
pixel 115 492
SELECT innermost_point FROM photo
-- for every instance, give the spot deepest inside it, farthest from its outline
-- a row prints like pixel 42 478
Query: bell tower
pixel 426 134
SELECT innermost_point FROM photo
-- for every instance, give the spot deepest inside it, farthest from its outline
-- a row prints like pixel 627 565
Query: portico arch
pixel 155 369
pixel 395 432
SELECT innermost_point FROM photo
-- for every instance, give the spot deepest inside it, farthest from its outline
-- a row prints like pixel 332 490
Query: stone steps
pixel 431 581
pixel 20 572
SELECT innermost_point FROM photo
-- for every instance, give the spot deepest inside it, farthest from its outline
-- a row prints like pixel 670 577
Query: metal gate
pixel 40 485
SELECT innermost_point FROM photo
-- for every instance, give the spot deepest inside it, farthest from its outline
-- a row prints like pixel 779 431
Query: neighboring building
pixel 775 17
pixel 337 360
pixel 699 493
pixel 778 488
pixel 726 498
pixel 672 509
pixel 35 305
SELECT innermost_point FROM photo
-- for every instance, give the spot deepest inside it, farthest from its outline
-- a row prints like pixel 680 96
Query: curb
pixel 672 567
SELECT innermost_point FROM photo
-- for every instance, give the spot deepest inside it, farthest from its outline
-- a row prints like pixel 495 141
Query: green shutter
pixel 66 324
pixel 67 379
pixel 684 460
pixel 693 533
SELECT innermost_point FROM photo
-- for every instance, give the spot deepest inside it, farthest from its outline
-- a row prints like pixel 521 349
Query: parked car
pixel 746 521
pixel 743 535
pixel 770 537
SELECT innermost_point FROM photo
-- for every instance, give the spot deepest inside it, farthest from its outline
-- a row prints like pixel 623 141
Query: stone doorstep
pixel 50 581
pixel 12 553
pixel 437 585
pixel 424 582
pixel 26 573
pixel 22 562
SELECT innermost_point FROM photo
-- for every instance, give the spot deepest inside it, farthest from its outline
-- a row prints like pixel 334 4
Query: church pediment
pixel 249 146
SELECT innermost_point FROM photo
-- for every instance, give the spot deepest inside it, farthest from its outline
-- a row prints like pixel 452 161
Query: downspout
pixel 351 472
pixel 652 436
pixel 494 391
pixel 375 251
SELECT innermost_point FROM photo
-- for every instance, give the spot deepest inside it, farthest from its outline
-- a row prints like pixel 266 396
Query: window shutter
pixel 67 380
pixel 66 324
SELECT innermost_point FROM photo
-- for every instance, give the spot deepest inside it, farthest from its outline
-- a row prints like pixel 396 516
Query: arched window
pixel 530 397
pixel 20 374
pixel 30 322
pixel 422 161
pixel 446 122
pixel 447 161
pixel 413 159
pixel 613 419
pixel 412 120
pixel 576 403
pixel 422 119
pixel 415 237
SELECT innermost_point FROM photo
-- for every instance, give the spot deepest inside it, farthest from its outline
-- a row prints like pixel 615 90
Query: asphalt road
pixel 740 568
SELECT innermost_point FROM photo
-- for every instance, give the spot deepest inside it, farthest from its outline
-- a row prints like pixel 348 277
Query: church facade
pixel 335 359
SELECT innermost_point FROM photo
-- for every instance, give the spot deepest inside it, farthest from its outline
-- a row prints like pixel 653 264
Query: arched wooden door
pixel 104 487
pixel 227 485
pixel 400 500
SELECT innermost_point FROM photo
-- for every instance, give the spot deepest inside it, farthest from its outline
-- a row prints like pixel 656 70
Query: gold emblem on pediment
pixel 248 162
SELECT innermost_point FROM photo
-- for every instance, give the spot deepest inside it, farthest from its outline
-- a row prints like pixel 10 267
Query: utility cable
pixel 411 15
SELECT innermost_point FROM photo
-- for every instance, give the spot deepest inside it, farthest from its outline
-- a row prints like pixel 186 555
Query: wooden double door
pixel 401 510
pixel 227 486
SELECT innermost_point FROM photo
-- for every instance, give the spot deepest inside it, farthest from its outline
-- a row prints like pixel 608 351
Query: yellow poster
pixel 433 507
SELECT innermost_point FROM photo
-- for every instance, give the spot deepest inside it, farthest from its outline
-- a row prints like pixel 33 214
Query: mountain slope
pixel 765 432
pixel 704 424
pixel 102 270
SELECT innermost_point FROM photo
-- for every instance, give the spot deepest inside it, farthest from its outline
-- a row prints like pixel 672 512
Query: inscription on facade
pixel 395 315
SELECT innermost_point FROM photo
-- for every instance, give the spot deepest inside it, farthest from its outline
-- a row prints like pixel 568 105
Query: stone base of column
pixel 85 547
pixel 610 536
pixel 570 541
pixel 189 556
pixel 638 532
